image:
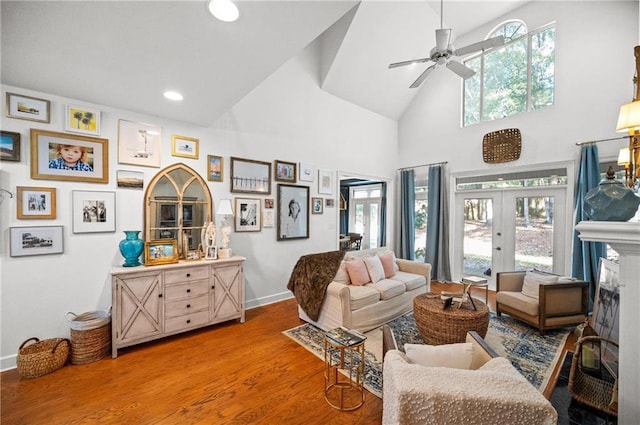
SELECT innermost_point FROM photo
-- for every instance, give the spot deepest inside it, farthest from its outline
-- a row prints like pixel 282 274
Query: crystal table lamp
pixel 225 210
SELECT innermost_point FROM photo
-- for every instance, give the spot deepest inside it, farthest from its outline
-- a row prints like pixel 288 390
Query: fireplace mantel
pixel 624 237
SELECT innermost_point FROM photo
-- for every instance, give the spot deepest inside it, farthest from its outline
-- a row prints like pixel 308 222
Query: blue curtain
pixel 344 214
pixel 438 225
pixel 586 255
pixel 406 246
pixel 383 215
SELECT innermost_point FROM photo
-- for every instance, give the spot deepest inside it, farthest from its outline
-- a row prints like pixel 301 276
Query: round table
pixel 439 325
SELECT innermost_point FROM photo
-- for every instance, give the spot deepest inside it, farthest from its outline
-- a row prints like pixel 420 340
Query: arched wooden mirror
pixel 177 205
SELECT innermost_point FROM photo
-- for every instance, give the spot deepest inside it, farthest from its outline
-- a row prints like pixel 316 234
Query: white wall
pixel 287 118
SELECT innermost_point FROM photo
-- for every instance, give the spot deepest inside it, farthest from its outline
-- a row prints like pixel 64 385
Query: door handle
pixel 498 248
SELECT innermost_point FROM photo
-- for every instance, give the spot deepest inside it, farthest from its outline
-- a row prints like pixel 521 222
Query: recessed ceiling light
pixel 224 10
pixel 172 95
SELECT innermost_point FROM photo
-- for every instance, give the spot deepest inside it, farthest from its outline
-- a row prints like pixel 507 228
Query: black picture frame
pixel 292 227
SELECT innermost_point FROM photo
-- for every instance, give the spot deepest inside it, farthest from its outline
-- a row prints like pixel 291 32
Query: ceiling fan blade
pixel 442 39
pixel 422 77
pixel 460 69
pixel 411 62
pixel 480 45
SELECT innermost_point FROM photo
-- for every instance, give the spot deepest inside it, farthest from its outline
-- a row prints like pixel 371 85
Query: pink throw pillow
pixel 388 264
pixel 358 273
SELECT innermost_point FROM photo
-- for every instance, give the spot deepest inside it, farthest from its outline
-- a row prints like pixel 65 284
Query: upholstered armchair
pixel 463 383
pixel 543 300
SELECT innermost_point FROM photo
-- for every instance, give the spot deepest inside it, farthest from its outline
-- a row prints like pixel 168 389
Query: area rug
pixel 533 355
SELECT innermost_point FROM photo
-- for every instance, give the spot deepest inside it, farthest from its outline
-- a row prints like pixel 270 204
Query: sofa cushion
pixel 342 276
pixel 388 261
pixel 457 356
pixel 518 301
pixel 532 282
pixel 358 274
pixel 411 281
pixel 362 296
pixel 374 267
pixel 388 288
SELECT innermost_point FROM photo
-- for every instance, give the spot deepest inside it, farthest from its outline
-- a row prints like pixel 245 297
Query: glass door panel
pixel 478 249
pixel 534 233
pixel 374 218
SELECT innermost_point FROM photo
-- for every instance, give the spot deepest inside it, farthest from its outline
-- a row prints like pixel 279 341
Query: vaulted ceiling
pixel 125 54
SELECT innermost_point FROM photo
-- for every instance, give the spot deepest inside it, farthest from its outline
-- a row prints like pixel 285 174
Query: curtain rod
pixel 423 165
pixel 601 140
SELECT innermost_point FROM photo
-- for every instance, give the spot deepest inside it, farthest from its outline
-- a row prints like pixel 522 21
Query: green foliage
pixel 421 216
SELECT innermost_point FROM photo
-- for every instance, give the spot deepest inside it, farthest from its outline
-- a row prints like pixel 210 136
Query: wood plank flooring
pixel 226 374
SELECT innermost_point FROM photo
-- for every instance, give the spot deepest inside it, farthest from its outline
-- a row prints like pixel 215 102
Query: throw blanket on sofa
pixel 310 278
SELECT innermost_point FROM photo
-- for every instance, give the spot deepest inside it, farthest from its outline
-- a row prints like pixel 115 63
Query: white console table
pixel 624 237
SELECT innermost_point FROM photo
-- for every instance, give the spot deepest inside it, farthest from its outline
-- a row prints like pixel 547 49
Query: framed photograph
pixel 9 146
pixel 28 108
pixel 268 218
pixel 79 119
pixel 130 179
pixel 285 171
pixel 36 240
pixel 62 156
pixel 329 202
pixel 248 216
pixel 36 202
pixel 161 252
pixel 138 144
pixel 192 255
pixel 316 206
pixel 186 147
pixel 325 182
pixel 305 172
pixel 93 212
pixel 293 212
pixel 249 176
pixel 211 254
pixel 606 311
pixel 269 203
pixel 214 168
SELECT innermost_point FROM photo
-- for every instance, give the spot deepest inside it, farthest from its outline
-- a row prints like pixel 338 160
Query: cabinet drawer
pixel 179 308
pixel 186 322
pixel 186 275
pixel 186 290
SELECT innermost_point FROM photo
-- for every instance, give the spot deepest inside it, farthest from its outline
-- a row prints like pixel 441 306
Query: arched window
pixel 514 78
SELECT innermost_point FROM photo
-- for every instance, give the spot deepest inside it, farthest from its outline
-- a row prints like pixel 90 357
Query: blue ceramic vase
pixel 131 247
pixel 610 201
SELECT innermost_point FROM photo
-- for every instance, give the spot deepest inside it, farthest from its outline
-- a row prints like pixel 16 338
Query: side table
pixel 344 369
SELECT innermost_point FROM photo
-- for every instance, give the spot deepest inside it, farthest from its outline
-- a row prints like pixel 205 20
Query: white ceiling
pixel 125 54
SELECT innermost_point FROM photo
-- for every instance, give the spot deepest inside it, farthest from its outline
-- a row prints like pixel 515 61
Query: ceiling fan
pixel 443 53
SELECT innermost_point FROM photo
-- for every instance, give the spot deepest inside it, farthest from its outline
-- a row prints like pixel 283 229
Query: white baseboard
pixel 8 362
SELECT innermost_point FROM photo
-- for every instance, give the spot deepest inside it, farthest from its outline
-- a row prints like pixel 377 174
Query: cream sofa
pixel 457 384
pixel 369 306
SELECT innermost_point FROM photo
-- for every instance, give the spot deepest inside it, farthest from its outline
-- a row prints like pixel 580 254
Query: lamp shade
pixel 623 157
pixel 629 117
pixel 224 208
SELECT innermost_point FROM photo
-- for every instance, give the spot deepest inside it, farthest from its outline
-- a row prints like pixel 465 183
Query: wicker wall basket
pixel 501 146
pixel 90 336
pixel 42 357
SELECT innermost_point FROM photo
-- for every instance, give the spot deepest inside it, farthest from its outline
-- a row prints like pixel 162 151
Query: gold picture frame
pixel 36 203
pixel 47 162
pixel 185 147
pixel 158 252
pixel 215 168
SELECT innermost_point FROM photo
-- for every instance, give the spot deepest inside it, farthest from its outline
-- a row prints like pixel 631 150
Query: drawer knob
pixel 188 274
pixel 188 305
pixel 213 286
pixel 188 320
pixel 159 295
pixel 188 290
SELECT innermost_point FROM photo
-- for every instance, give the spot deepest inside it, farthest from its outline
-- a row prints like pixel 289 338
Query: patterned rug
pixel 533 355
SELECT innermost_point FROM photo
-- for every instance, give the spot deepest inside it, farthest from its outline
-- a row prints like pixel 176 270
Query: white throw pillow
pixel 456 356
pixel 342 276
pixel 532 282
pixel 374 267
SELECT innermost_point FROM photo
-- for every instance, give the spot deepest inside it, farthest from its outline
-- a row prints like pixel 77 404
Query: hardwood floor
pixel 226 374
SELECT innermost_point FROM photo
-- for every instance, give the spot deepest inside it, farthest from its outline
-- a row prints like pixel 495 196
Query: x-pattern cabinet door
pixel 228 292
pixel 139 299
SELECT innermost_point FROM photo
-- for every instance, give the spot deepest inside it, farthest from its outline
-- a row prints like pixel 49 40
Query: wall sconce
pixel 629 120
pixel 225 210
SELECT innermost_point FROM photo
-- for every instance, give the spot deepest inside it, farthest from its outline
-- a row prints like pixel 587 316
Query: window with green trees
pixel 514 78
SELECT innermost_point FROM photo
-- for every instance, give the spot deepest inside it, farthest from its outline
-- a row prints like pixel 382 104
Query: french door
pixel 364 214
pixel 510 229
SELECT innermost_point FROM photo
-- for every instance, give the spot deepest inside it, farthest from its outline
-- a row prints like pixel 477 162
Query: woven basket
pixel 90 336
pixel 588 389
pixel 42 357
pixel 501 146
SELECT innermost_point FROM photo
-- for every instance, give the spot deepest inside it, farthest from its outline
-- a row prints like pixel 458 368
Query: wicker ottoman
pixel 438 326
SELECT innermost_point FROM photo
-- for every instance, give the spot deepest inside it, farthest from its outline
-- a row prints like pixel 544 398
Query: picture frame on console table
pixel 47 162
pixel 158 252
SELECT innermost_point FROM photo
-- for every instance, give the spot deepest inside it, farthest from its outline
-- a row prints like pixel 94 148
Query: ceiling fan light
pixel 224 10
pixel 173 95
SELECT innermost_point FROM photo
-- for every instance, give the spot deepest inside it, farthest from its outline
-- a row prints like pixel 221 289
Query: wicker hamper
pixel 90 336
pixel 42 357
